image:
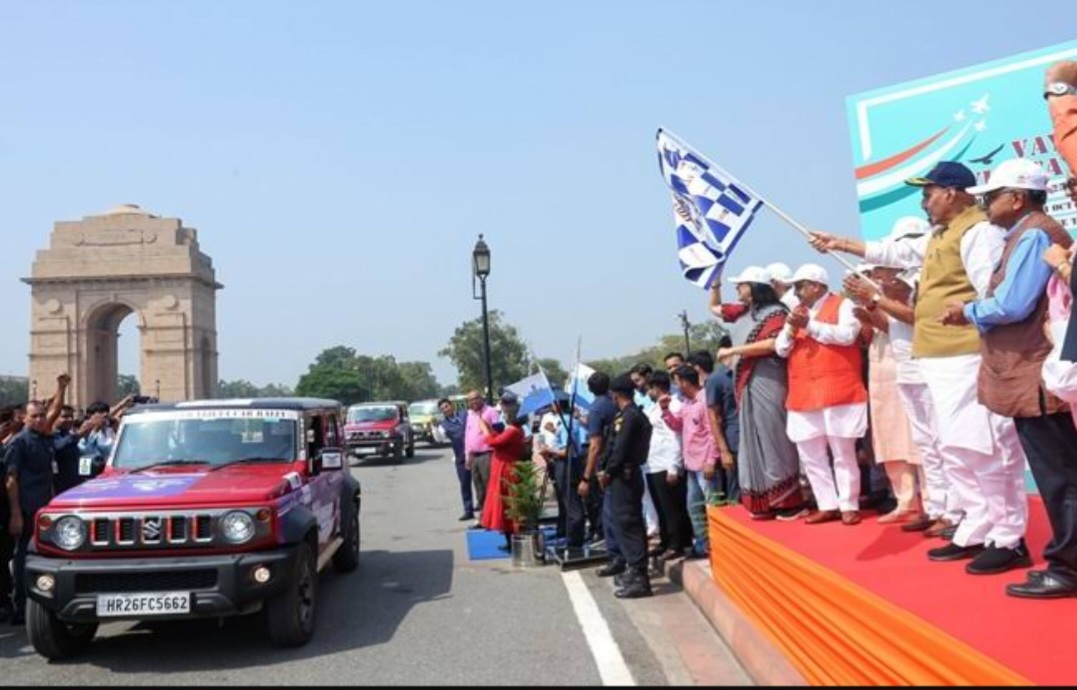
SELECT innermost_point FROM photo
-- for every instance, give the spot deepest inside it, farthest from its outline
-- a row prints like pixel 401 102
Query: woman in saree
pixel 768 464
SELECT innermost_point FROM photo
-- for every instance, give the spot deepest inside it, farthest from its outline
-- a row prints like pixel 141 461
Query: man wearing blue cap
pixel 982 457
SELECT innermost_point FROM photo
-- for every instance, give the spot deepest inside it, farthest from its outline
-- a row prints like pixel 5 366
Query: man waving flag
pixel 711 209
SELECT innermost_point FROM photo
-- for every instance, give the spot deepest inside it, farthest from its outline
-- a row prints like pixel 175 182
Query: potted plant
pixel 523 505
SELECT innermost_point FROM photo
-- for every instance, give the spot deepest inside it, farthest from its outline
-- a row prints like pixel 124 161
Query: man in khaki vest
pixel 982 456
pixel 1011 320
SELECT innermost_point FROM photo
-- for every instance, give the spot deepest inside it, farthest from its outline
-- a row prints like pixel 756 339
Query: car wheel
pixel 398 453
pixel 346 559
pixel 411 448
pixel 290 616
pixel 51 637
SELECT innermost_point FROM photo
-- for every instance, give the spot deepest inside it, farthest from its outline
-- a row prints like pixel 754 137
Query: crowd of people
pixel 943 366
pixel 48 447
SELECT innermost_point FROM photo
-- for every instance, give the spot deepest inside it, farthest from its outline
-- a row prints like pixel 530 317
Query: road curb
pixel 761 659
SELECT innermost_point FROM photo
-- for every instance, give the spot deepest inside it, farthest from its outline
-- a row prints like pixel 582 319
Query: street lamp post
pixel 685 324
pixel 480 268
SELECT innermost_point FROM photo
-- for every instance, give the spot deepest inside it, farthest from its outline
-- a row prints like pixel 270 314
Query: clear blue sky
pixel 358 149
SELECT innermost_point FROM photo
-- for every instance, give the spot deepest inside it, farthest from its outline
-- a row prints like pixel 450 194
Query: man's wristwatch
pixel 1059 88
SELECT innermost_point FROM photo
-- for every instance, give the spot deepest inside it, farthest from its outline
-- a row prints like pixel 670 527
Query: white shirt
pixel 901 333
pixel 844 332
pixel 981 249
pixel 790 299
pixel 665 452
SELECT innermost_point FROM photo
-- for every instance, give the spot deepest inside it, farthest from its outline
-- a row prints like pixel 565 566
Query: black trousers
pixel 1050 444
pixel 626 509
pixel 671 504
pixel 22 545
pixel 593 507
pixel 7 551
pixel 570 508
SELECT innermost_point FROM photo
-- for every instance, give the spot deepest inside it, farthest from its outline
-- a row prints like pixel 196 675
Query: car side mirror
pixel 331 459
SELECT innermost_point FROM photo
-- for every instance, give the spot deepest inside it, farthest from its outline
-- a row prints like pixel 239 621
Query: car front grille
pixel 160 581
pixel 150 531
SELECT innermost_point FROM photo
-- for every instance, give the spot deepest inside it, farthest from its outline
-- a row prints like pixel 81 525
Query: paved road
pixel 416 612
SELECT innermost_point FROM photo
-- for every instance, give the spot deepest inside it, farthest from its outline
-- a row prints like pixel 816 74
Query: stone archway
pixel 98 271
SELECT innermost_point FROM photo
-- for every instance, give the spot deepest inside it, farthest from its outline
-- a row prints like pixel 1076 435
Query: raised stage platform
pixel 835 605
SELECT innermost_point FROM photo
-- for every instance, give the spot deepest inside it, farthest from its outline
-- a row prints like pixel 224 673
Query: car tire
pixel 51 637
pixel 290 616
pixel 346 559
pixel 411 448
pixel 398 453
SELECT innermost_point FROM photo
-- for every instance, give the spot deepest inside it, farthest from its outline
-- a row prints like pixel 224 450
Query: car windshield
pixel 372 413
pixel 213 437
pixel 423 409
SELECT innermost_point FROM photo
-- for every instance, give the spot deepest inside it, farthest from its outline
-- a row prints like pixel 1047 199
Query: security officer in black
pixel 28 461
pixel 622 477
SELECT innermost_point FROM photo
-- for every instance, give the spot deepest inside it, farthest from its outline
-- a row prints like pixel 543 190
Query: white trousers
pixel 837 489
pixel 982 457
pixel 650 515
pixel 934 491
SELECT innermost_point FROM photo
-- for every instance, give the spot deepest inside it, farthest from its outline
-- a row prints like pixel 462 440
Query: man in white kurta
pixel 983 460
pixel 827 400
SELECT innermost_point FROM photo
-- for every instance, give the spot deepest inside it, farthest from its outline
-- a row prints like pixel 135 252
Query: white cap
pixel 779 272
pixel 1016 173
pixel 908 226
pixel 752 274
pixel 865 267
pixel 812 272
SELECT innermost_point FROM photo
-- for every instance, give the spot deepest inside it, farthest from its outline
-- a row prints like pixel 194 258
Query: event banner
pixel 980 116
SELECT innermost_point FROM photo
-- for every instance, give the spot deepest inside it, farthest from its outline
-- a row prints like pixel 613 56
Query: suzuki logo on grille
pixel 151 529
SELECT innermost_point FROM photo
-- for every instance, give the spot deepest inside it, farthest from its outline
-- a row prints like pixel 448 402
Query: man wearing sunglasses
pixel 1010 320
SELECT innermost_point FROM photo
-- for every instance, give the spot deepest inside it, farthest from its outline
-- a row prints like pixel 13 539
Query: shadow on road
pixel 354 611
pixel 422 455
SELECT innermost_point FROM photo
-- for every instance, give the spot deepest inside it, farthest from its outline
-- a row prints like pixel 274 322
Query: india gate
pixel 101 269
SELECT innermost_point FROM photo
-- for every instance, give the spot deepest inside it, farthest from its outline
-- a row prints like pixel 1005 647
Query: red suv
pixel 205 509
pixel 382 428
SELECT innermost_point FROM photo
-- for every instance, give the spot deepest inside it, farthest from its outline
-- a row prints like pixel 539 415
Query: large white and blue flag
pixel 711 209
pixel 534 393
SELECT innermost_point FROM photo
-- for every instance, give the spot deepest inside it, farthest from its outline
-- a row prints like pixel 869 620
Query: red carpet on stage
pixel 1035 640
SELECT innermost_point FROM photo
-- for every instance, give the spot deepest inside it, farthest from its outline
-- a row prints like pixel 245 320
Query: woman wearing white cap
pixel 827 400
pixel 768 467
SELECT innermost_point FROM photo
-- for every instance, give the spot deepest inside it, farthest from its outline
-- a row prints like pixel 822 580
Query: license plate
pixel 148 604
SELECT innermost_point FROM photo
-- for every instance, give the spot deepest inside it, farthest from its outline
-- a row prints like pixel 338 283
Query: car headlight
pixel 237 527
pixel 69 533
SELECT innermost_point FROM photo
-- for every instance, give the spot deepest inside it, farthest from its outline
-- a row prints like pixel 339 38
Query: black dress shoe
pixel 948 533
pixel 466 516
pixel 953 552
pixel 612 568
pixel 994 560
pixel 634 590
pixel 1046 586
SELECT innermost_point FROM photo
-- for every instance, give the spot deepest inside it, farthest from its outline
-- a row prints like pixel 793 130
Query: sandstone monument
pixel 99 270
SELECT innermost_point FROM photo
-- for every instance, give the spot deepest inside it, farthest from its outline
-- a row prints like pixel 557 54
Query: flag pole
pixel 789 220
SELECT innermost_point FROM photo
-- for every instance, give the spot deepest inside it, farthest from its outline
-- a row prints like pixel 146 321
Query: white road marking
pixel 608 657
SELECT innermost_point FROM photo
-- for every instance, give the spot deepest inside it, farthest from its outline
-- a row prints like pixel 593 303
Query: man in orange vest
pixel 827 400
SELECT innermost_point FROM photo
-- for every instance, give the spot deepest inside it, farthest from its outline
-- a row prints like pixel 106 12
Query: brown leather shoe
pixel 936 530
pixel 821 516
pixel 920 524
pixel 850 517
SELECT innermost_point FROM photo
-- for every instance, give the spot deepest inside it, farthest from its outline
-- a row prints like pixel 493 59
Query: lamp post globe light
pixel 480 268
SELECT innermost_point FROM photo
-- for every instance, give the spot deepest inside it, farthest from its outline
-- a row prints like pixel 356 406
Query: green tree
pixel 242 388
pixel 508 353
pixel 126 384
pixel 555 373
pixel 419 379
pixel 14 390
pixel 322 381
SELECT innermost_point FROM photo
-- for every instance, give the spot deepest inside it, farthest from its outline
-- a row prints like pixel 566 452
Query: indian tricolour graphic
pixel 980 116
